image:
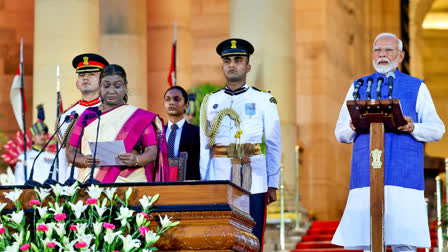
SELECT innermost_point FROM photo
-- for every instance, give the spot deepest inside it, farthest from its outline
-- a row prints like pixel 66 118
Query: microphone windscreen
pixel 380 79
pixel 67 117
pixel 390 74
pixel 370 80
pixel 98 113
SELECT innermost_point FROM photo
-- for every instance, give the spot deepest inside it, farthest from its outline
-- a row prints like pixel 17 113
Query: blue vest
pixel 403 160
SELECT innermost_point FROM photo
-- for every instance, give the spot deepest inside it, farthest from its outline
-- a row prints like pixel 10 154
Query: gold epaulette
pixel 68 133
pixel 261 90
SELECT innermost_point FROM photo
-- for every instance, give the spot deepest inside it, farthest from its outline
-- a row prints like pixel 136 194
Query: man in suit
pixel 180 135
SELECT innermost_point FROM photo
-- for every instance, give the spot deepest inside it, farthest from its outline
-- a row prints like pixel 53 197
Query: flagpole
pixel 58 105
pixel 175 53
pixel 23 110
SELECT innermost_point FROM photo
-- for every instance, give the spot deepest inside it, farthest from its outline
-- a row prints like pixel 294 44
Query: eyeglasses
pixel 388 51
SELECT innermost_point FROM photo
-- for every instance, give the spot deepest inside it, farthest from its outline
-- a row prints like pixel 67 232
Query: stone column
pixel 160 34
pixel 123 42
pixel 269 26
pixel 62 29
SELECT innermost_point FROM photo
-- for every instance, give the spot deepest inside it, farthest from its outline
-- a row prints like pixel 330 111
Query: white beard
pixel 383 69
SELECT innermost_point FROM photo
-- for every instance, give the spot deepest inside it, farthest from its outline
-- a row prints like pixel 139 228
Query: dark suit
pixel 189 142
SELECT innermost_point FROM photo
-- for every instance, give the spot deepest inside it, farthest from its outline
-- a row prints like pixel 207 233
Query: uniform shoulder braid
pixel 271 99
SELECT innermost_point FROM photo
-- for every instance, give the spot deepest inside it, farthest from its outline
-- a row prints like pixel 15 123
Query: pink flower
pixel 80 244
pixel 145 214
pixel 91 201
pixel 116 251
pixel 109 226
pixel 34 202
pixel 42 227
pixel 60 217
pixel 25 247
pixel 143 230
pixel 2 230
pixel 73 228
pixel 51 244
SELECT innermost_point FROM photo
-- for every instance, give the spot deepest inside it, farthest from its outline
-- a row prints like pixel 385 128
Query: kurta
pixel 405 215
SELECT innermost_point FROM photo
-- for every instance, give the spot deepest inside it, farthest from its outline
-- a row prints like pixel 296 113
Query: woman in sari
pixel 142 132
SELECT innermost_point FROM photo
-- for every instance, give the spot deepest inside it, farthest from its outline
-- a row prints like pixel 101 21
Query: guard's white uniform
pixel 259 116
pixel 78 108
pixel 41 168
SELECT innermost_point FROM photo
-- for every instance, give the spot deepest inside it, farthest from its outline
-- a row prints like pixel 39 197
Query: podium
pixel 376 117
pixel 213 215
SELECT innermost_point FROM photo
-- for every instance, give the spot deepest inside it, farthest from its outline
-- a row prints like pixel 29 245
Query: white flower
pixel 42 192
pixel 42 211
pixel 147 201
pixel 110 236
pixel 128 193
pixel 57 209
pixel 79 208
pixel 2 205
pixel 13 248
pixel 124 214
pixel 70 190
pixel 97 228
pixel 13 195
pixel 81 227
pixel 17 217
pixel 140 218
pixel 100 210
pixel 151 237
pixel 57 189
pixel 18 237
pixel 87 238
pixel 60 229
pixel 166 222
pixel 50 227
pixel 110 191
pixel 129 243
pixel 94 191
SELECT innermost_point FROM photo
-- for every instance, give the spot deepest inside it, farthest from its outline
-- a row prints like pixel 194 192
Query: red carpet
pixel 319 235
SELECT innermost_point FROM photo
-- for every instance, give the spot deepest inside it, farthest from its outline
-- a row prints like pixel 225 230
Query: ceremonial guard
pixel 234 121
pixel 39 131
pixel 88 67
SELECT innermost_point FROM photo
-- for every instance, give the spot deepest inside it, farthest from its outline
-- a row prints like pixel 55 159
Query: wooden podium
pixel 376 117
pixel 213 215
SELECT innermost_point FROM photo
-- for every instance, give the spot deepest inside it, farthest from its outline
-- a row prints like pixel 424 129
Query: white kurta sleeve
pixel 429 127
pixel 272 137
pixel 343 132
pixel 205 153
pixel 18 172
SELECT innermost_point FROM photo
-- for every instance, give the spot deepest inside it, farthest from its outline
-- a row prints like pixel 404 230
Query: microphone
pixel 379 83
pixel 30 181
pixel 91 180
pixel 50 180
pixel 356 90
pixel 71 180
pixel 390 83
pixel 369 85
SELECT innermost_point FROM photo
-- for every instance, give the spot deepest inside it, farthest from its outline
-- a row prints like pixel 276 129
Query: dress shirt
pixel 180 125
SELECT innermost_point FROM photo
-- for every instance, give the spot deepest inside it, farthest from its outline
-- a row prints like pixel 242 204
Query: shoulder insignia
pixel 273 100
pixel 261 90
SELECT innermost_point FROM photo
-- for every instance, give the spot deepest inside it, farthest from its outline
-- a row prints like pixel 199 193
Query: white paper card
pixel 108 152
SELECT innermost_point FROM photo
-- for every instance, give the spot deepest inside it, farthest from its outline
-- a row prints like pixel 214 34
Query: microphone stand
pixel 50 180
pixel 71 180
pixel 92 180
pixel 30 181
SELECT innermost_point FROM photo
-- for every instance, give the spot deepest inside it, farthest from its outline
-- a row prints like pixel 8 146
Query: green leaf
pixel 34 247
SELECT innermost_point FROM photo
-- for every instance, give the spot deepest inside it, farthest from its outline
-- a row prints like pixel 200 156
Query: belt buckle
pixel 231 151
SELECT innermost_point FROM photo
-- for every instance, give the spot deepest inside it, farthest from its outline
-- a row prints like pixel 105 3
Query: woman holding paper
pixel 141 131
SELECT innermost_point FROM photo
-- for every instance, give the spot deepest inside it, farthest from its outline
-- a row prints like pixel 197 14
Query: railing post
pixel 282 209
pixel 439 215
pixel 298 214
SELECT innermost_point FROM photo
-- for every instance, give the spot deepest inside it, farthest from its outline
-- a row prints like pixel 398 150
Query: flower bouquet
pixel 104 222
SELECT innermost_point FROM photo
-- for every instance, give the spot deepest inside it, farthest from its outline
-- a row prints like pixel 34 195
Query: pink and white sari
pixel 138 129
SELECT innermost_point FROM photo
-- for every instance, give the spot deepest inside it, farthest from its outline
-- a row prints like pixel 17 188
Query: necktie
pixel 171 139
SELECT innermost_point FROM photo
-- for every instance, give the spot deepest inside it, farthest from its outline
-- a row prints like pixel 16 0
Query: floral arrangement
pixel 104 222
